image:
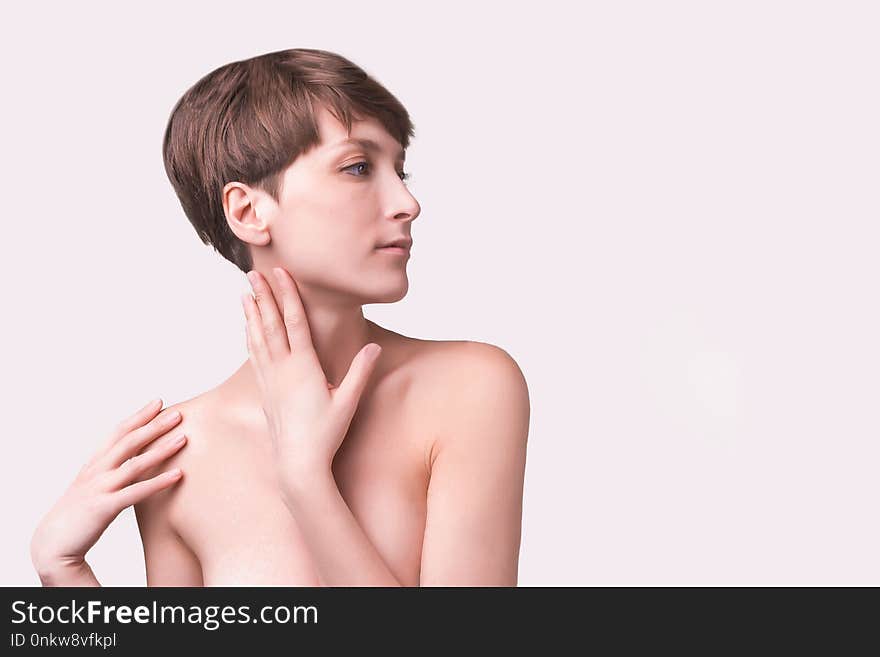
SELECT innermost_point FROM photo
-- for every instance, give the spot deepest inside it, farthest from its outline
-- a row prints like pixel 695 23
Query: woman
pixel 319 461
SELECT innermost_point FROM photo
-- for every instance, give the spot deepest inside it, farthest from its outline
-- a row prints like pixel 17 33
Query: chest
pixel 244 533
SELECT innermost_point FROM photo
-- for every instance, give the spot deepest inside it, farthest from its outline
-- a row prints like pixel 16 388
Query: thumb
pixel 352 386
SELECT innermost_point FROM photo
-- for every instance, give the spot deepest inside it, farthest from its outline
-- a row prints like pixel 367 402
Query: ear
pixel 240 208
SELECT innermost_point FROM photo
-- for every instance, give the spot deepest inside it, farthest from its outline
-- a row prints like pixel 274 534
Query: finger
pixel 134 441
pixel 299 337
pixel 140 464
pixel 142 489
pixel 257 348
pixel 251 348
pixel 134 421
pixel 349 392
pixel 273 326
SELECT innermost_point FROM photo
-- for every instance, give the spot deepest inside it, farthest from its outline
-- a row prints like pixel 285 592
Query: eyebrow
pixel 367 144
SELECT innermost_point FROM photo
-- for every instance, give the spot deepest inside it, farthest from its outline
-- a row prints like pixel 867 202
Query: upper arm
pixel 474 508
pixel 168 560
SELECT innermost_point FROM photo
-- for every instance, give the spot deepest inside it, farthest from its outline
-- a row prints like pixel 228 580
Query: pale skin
pixel 314 464
pixel 112 480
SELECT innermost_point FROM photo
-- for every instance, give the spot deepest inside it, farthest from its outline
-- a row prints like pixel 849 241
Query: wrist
pixel 46 564
pixel 300 482
pixel 66 573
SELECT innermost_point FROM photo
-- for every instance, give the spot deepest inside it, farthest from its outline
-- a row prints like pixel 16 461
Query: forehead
pixel 367 134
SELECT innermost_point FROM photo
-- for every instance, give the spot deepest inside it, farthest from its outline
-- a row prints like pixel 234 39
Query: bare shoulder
pixel 466 386
pixel 168 552
pixel 466 366
pixel 476 470
pixel 167 507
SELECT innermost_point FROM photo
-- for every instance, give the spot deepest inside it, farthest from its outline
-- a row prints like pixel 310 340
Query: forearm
pixel 68 575
pixel 341 551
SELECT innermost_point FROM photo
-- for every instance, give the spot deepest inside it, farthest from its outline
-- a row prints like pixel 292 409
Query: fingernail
pixel 252 277
pixel 178 439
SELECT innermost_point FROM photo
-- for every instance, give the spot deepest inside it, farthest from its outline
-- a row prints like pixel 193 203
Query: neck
pixel 338 334
pixel 338 331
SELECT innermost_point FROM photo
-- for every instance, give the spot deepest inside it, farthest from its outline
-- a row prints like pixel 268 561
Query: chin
pixel 389 294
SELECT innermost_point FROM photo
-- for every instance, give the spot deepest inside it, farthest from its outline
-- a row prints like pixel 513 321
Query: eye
pixel 403 175
pixel 357 164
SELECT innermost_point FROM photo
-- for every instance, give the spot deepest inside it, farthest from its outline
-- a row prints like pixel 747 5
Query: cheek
pixel 330 236
pixel 326 223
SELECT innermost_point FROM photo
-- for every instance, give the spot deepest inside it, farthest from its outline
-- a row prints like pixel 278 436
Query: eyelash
pixel 403 176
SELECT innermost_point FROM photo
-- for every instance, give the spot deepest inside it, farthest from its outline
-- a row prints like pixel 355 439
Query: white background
pixel 667 213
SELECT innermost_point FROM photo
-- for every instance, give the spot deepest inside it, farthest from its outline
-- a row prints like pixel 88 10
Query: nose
pixel 408 215
pixel 407 207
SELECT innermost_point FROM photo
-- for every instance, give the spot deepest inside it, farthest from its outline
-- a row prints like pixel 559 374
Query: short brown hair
pixel 249 120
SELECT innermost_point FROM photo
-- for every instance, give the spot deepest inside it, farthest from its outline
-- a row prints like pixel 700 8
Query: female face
pixel 340 202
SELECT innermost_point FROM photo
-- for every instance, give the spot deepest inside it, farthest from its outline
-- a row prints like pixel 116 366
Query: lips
pixel 402 242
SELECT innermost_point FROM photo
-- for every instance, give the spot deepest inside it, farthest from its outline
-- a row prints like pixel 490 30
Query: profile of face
pixel 340 202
